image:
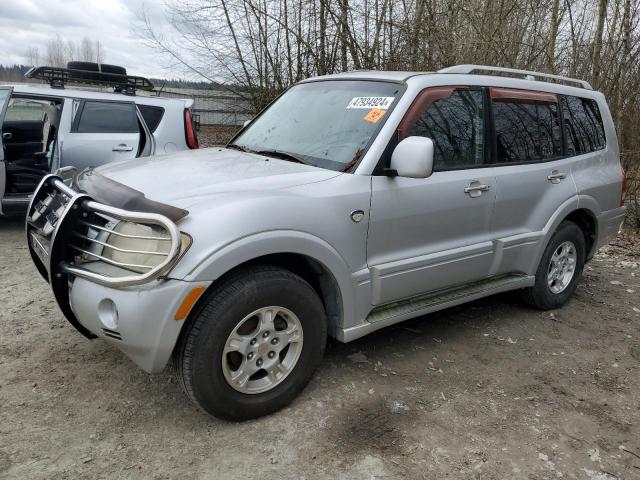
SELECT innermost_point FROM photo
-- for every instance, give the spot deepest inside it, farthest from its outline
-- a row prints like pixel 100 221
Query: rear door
pixel 5 94
pixel 101 131
pixel 532 172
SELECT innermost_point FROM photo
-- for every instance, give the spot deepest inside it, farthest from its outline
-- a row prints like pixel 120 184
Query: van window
pixel 107 117
pixel 152 115
pixel 584 131
pixel 25 110
pixel 526 131
pixel 456 126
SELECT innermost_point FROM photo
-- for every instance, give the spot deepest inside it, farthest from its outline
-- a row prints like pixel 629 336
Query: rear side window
pixel 106 117
pixel 527 127
pixel 152 115
pixel 456 126
pixel 584 131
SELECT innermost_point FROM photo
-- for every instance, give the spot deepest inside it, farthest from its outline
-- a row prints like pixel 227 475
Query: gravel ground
pixel 488 390
pixel 212 136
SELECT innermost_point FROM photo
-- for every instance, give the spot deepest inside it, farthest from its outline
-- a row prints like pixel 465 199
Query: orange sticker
pixel 374 115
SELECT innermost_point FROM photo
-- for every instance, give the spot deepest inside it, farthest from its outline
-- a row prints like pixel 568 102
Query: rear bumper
pixel 609 224
pixel 138 320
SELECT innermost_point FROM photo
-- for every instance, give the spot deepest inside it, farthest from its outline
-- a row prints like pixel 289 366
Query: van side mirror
pixel 246 122
pixel 413 158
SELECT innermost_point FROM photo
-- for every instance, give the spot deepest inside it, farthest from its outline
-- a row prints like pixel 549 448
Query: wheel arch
pixel 588 223
pixel 302 254
pixel 579 209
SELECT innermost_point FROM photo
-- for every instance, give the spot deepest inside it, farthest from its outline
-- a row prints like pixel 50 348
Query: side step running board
pixel 395 312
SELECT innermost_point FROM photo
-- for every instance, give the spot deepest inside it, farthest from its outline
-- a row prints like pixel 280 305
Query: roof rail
pixel 527 74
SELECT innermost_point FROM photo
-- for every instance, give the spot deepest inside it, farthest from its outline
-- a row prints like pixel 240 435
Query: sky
pixel 32 23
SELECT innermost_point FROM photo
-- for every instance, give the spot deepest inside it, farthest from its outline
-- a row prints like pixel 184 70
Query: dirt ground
pixel 211 136
pixel 488 390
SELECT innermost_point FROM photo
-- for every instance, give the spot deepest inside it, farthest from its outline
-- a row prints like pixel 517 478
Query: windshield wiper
pixel 242 148
pixel 283 155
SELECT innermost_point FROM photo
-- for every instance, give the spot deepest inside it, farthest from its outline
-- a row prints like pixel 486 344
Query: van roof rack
pixel 527 74
pixel 58 77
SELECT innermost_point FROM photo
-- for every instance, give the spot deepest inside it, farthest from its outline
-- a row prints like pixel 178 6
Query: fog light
pixel 108 313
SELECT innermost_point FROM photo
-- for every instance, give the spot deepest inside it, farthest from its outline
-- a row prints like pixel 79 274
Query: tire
pixel 203 366
pixel 94 67
pixel 545 295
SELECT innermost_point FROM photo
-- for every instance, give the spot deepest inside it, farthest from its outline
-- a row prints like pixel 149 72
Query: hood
pixel 186 178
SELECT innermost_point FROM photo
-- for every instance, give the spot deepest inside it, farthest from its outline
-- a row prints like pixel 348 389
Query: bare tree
pixel 33 56
pixel 260 47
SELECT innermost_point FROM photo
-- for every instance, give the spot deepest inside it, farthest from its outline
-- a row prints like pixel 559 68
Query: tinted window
pixel 152 115
pixel 107 117
pixel 456 126
pixel 526 131
pixel 583 127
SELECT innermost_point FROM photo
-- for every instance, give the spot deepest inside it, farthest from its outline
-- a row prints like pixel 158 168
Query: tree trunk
pixel 597 43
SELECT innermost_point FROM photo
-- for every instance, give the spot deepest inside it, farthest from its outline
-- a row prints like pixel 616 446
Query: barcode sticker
pixel 382 103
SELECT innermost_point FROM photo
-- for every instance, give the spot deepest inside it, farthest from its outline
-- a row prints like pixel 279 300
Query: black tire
pixel 94 67
pixel 540 295
pixel 198 355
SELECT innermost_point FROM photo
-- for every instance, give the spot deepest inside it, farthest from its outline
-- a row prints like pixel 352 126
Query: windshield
pixel 328 124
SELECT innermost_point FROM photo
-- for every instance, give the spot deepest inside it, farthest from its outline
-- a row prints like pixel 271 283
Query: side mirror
pixel 246 122
pixel 413 157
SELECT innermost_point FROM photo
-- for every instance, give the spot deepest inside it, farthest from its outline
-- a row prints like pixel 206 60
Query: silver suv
pixel 353 202
pixel 46 128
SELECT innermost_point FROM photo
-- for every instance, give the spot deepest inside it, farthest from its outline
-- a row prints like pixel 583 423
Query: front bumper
pixel 138 320
pixel 135 312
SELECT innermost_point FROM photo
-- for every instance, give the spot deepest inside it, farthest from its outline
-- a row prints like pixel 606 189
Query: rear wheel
pixel 254 344
pixel 559 269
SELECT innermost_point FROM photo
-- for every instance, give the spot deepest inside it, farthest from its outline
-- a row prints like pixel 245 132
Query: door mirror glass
pixel 413 157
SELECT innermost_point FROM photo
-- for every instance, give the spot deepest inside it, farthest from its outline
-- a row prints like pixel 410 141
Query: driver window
pixel 456 126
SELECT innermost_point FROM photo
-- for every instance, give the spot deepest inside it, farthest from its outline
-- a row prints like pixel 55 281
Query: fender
pixel 571 205
pixel 248 248
pixel 587 202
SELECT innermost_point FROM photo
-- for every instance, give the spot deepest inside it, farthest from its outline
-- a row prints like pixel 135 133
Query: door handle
pixel 122 148
pixel 556 176
pixel 476 188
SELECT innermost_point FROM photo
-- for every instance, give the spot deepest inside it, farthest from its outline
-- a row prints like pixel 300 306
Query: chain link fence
pixel 213 108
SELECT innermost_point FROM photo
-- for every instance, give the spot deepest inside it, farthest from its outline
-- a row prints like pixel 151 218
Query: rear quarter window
pixel 106 117
pixel 152 115
pixel 584 131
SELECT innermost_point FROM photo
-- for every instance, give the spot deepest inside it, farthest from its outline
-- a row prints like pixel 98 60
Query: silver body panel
pixel 418 236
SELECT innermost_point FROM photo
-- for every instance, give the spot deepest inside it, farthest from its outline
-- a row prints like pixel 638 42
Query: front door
pixel 5 94
pixel 101 132
pixel 433 233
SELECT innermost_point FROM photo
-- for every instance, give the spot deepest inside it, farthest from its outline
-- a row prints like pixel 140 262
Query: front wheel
pixel 253 345
pixel 559 269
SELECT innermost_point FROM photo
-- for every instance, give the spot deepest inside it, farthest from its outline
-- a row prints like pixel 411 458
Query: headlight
pixel 139 247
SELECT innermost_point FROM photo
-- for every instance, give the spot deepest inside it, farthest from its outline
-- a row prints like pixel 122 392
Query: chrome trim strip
pixel 113 232
pixel 118 249
pixel 137 217
pixel 109 261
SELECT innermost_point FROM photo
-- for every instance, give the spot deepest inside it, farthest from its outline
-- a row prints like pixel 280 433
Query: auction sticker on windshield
pixel 374 115
pixel 371 102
